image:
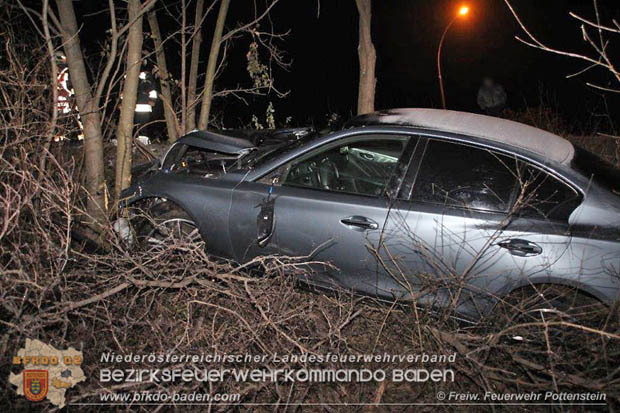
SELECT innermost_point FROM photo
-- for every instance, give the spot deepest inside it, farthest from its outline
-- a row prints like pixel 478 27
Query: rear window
pixel 601 172
pixel 545 196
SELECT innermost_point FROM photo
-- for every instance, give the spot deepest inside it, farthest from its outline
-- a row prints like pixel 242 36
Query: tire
pixel 549 313
pixel 163 224
pixel 551 302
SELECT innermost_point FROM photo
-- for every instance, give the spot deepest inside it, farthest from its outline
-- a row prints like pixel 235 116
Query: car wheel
pixel 164 224
pixel 550 312
pixel 551 302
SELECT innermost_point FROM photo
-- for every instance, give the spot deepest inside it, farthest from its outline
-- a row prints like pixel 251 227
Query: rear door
pixel 329 205
pixel 472 223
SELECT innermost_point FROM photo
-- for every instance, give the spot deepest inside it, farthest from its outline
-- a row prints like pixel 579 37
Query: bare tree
pixel 164 78
pixel 54 75
pixel 180 110
pixel 207 95
pixel 183 65
pixel 89 96
pixel 89 111
pixel 130 97
pixel 367 59
pixel 597 41
pixel 193 67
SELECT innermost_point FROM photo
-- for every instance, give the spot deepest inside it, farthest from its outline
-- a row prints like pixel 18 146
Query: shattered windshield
pixel 265 153
pixel 196 161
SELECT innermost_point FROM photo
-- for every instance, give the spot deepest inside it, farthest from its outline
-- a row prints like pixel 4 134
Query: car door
pixel 472 223
pixel 328 204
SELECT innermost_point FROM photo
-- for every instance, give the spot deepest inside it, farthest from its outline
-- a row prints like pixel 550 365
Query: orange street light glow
pixel 463 11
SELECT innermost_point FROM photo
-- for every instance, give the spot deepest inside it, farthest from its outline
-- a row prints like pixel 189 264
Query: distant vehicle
pixel 445 207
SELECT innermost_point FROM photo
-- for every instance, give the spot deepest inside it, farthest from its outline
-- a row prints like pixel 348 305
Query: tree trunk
pixel 183 66
pixel 164 78
pixel 124 133
pixel 89 112
pixel 207 96
pixel 367 58
pixel 193 68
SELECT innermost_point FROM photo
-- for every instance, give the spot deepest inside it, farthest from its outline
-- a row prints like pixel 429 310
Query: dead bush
pixel 173 298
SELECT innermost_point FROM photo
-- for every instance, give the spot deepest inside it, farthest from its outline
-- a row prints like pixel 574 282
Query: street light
pixel 462 13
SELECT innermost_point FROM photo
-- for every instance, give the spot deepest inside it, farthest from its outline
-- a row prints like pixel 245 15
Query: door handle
pixel 359 223
pixel 521 247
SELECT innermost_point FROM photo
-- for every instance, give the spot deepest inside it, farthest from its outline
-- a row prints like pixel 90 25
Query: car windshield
pixel 265 153
pixel 599 170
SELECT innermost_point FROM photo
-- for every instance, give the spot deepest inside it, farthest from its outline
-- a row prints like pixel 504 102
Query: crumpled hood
pixel 216 142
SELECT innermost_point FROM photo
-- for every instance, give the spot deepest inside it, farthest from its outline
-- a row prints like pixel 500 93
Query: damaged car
pixel 442 208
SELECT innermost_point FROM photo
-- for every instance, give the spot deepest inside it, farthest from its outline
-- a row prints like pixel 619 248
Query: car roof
pixel 508 132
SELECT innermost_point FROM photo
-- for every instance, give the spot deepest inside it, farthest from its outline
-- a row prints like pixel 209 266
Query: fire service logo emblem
pixel 35 384
pixel 47 372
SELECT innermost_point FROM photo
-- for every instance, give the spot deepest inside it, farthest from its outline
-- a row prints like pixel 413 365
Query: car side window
pixel 544 196
pixel 361 165
pixel 457 175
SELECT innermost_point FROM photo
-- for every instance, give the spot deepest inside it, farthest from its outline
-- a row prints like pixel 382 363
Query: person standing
pixel 491 97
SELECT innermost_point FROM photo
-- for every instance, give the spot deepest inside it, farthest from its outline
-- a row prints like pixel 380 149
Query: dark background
pixel 322 46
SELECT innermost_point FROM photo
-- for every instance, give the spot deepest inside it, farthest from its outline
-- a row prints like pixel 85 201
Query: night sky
pixel 406 34
pixel 324 72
